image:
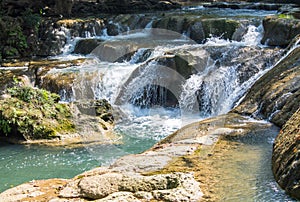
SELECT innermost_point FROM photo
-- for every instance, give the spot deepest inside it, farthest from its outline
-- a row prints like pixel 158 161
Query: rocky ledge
pixel 174 169
pixel 34 116
pixel 275 96
pixel 285 160
pixel 280 30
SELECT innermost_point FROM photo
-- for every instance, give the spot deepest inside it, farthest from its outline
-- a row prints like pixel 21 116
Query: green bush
pixel 31 20
pixel 34 114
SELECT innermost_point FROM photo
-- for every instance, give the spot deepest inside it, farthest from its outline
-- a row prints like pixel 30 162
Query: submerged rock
pixel 286 153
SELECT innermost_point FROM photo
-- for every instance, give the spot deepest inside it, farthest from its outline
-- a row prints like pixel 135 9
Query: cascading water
pixel 160 86
pixel 220 74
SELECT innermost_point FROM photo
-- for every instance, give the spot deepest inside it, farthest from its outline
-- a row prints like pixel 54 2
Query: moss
pixel 187 163
pixel 34 114
pixel 219 27
pixel 285 16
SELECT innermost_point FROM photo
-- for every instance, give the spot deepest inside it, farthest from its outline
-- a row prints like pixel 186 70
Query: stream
pixel 152 106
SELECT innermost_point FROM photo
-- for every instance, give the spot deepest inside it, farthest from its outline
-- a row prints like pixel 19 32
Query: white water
pixel 142 127
pixel 215 88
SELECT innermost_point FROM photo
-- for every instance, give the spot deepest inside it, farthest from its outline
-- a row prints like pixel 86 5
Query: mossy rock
pixel 99 108
pixel 31 114
pixel 219 27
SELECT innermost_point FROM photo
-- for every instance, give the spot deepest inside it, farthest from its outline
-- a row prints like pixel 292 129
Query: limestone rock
pixel 120 196
pixel 86 46
pixel 276 95
pixel 97 187
pixel 286 153
pixel 280 31
pixel 130 186
pixel 34 191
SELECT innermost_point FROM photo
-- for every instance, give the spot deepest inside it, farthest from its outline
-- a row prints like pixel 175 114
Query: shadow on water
pixel 245 171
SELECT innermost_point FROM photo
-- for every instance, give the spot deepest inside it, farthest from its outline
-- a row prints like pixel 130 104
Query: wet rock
pixel 171 70
pixel 279 31
pixel 234 5
pixel 114 51
pixel 86 46
pixel 285 159
pixel 220 27
pixel 198 29
pixel 100 108
pixel 51 40
pixel 275 96
pixel 10 77
pixel 196 32
pixel 82 27
pixel 174 67
pixel 49 75
pixel 53 34
pixel 170 23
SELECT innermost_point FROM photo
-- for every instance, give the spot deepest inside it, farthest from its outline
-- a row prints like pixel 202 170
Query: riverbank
pixel 187 164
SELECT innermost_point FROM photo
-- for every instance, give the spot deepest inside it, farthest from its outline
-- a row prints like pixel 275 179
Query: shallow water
pixel 141 129
pixel 245 171
pixel 19 163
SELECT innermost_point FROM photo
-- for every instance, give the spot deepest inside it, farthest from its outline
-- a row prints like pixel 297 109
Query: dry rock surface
pixel 148 176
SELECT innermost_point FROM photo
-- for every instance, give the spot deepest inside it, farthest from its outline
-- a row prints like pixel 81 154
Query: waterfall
pixel 219 74
pixel 205 79
pixel 212 91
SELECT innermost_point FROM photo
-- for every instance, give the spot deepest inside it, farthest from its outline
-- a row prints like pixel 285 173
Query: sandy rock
pixel 285 159
pixel 97 187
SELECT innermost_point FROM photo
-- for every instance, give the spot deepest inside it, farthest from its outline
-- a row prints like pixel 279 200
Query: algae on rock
pixel 34 114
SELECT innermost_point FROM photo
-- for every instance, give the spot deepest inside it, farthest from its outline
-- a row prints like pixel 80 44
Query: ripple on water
pixel 246 175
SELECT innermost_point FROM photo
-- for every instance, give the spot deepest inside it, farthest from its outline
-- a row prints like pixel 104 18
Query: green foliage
pixel 31 20
pixel 13 41
pixel 5 126
pixel 286 16
pixel 14 32
pixel 39 96
pixel 34 113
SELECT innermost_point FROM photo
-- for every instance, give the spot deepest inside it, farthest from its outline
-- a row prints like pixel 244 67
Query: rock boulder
pixel 276 95
pixel 286 153
pixel 279 31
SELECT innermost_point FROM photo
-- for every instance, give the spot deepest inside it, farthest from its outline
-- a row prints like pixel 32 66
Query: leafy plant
pixel 34 114
pixel 31 20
